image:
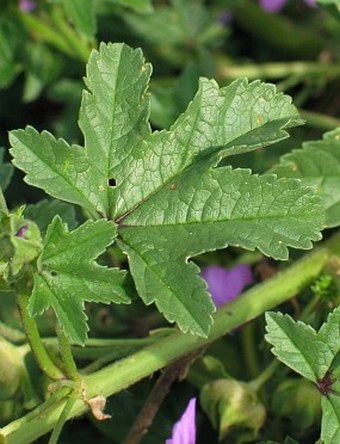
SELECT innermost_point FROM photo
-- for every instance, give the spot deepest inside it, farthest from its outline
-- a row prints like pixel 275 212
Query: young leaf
pixel 317 164
pixel 298 346
pixel 68 275
pixel 165 190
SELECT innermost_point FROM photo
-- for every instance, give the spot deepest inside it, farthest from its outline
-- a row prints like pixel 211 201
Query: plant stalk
pixel 38 349
pixel 124 373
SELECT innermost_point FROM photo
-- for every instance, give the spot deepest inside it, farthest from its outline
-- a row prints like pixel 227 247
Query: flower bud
pixel 233 406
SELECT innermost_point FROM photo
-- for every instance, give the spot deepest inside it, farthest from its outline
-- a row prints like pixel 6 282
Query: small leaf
pixel 329 332
pixel 330 424
pixel 317 164
pixel 68 275
pixel 298 346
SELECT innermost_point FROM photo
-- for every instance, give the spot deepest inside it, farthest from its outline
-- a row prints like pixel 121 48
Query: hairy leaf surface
pixel 298 346
pixel 165 190
pixel 318 164
pixel 68 275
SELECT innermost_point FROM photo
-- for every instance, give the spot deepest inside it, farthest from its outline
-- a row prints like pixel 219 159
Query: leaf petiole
pixel 38 349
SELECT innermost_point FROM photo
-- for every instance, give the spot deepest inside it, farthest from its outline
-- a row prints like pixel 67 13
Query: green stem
pixel 62 419
pixel 267 373
pixel 277 70
pixel 320 121
pixel 34 339
pixel 98 348
pixel 278 31
pixel 141 364
pixel 67 356
pixel 249 349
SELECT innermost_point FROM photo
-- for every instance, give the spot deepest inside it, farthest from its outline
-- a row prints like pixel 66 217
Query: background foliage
pixel 43 53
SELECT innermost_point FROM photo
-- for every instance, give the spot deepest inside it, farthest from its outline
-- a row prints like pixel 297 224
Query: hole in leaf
pixel 111 182
pixel 54 273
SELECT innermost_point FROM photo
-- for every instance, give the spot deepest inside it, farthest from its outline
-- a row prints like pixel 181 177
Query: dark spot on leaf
pixel 22 231
pixel 111 182
pixel 54 273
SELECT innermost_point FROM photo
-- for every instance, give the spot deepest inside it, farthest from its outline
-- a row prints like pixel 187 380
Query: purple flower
pixel 27 5
pixel 184 430
pixel 224 284
pixel 276 5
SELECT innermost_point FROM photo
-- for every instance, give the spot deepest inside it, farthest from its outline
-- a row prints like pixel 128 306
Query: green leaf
pixel 81 14
pixel 165 190
pixel 219 208
pixel 330 424
pixel 318 164
pixel 6 171
pixel 113 119
pixel 173 25
pixel 43 212
pixel 42 67
pixel 329 332
pixel 298 346
pixel 68 275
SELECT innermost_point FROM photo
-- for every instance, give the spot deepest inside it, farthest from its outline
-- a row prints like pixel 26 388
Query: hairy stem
pixel 38 349
pixel 122 374
pixel 67 356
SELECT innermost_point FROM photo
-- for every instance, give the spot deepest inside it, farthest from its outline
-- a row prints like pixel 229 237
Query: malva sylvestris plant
pixel 162 197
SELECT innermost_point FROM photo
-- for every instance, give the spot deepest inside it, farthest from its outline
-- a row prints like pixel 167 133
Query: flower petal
pixel 272 5
pixel 225 285
pixel 184 430
pixel 27 5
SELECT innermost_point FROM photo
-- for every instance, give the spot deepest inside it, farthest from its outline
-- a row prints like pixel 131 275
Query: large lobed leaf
pixel 165 190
